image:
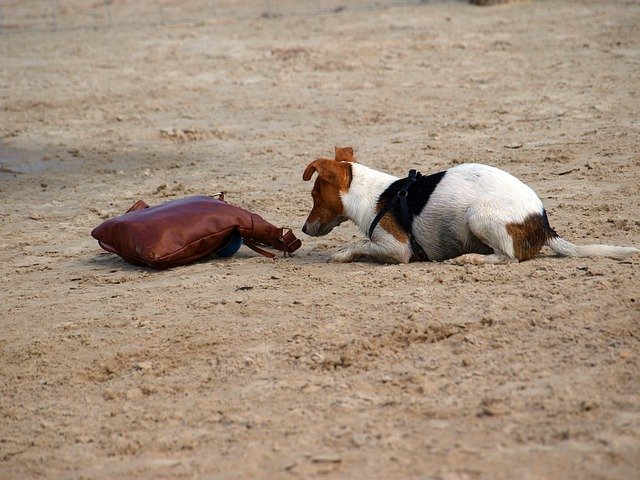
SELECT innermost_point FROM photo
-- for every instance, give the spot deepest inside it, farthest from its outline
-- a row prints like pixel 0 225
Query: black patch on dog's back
pixel 418 196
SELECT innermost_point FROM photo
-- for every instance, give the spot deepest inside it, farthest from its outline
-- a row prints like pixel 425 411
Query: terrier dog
pixel 469 214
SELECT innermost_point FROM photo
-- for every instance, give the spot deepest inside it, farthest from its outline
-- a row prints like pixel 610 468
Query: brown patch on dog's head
pixel 334 177
pixel 528 237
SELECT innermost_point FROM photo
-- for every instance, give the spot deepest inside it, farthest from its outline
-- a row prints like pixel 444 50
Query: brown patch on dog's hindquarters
pixel 528 237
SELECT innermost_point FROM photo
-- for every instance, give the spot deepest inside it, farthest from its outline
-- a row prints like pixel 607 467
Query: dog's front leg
pixel 395 253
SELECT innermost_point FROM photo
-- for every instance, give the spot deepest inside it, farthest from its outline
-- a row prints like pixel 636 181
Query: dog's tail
pixel 567 249
pixel 564 248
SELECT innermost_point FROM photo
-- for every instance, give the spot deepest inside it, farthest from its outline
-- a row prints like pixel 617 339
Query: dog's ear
pixel 344 154
pixel 313 167
pixel 336 173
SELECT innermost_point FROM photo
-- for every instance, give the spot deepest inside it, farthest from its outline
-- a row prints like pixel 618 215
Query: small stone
pixel 587 405
pixel 46 425
pixel 110 366
pixel 328 458
pixel 310 388
pixel 491 407
pixel 144 365
pixel 134 393
pixel 415 378
pixel 359 439
pixel 148 389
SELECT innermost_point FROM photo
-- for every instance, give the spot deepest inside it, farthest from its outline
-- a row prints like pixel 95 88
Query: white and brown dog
pixel 470 213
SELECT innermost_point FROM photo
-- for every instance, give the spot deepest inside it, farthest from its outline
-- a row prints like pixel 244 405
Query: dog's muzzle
pixel 316 229
pixel 312 229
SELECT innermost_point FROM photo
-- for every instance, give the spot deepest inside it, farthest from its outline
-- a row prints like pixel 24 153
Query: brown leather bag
pixel 185 230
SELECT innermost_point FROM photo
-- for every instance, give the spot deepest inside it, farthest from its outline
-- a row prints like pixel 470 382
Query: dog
pixel 468 214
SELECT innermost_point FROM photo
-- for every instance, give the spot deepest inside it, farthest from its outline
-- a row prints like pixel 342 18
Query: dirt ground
pixel 297 368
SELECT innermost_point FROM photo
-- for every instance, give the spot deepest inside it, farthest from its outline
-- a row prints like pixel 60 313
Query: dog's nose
pixel 304 228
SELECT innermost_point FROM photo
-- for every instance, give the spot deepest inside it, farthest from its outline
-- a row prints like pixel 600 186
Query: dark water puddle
pixel 14 161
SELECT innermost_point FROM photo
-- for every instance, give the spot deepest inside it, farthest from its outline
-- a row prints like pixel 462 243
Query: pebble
pixel 359 439
pixel 326 458
pixel 148 389
pixel 144 365
pixel 134 393
pixel 491 407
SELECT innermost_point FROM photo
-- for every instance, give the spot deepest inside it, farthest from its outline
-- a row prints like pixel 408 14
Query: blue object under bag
pixel 232 247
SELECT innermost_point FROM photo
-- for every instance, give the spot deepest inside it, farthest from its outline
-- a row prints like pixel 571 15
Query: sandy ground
pixel 296 368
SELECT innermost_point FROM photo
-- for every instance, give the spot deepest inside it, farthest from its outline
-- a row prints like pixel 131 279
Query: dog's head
pixel 334 177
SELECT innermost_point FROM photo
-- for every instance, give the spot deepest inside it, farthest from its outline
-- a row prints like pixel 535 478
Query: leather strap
pixel 139 205
pixel 406 220
pixel 284 241
pixel 259 250
pixel 264 233
pixel 289 242
pixel 401 196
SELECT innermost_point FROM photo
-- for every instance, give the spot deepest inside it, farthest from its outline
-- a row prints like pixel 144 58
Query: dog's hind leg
pixel 481 259
pixel 511 242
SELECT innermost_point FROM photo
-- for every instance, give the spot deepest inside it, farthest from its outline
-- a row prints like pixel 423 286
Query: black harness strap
pixel 406 220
